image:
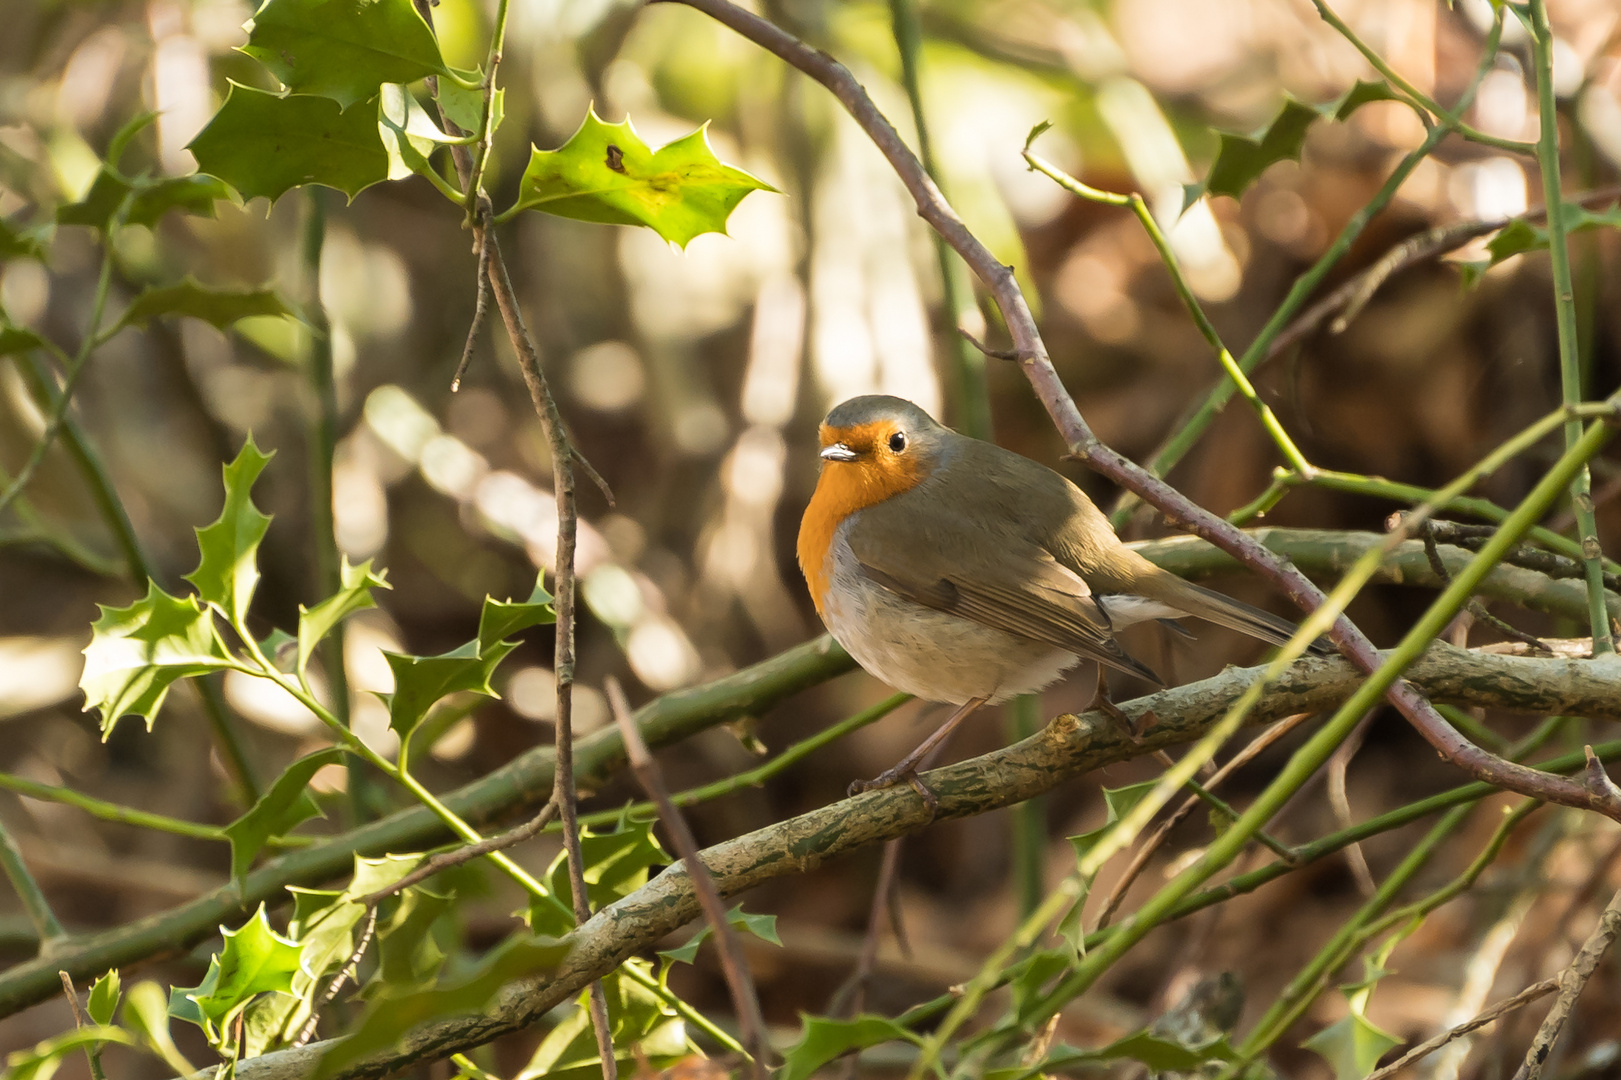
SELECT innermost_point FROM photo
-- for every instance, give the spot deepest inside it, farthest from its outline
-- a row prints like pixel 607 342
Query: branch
pixel 1069 746
pixel 1571 982
pixel 1502 1008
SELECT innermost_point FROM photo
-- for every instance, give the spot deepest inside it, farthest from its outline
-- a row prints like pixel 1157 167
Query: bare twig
pixel 1426 532
pixel 994 354
pixel 1573 979
pixel 1340 800
pixel 734 965
pixel 481 303
pixel 467 853
pixel 92 1051
pixel 1496 1012
pixel 343 977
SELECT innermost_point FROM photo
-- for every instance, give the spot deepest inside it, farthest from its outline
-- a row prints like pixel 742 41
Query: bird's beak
pixel 837 452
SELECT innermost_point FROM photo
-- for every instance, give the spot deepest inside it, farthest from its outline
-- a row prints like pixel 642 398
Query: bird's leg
pixel 906 768
pixel 1104 704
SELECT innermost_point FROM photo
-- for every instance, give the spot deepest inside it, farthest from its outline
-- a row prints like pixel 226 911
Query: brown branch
pixel 1496 1012
pixel 1426 532
pixel 481 303
pixel 342 978
pixel 1085 445
pixel 1571 982
pixel 994 354
pixel 733 964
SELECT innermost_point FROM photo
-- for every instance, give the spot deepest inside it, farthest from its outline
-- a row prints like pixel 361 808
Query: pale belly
pixel 928 653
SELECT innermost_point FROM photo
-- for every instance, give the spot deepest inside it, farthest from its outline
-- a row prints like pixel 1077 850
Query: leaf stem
pixel 1570 367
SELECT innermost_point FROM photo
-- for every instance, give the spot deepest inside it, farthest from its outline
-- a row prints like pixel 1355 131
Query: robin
pixel 964 573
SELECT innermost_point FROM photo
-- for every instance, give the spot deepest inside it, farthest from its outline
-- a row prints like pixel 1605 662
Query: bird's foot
pixel 890 778
pixel 1118 715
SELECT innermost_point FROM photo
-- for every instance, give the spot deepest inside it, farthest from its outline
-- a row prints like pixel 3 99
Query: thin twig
pixel 345 975
pixel 92 1051
pixel 1340 800
pixel 1474 607
pixel 1496 1012
pixel 733 964
pixel 994 354
pixel 466 853
pixel 1571 982
pixel 481 303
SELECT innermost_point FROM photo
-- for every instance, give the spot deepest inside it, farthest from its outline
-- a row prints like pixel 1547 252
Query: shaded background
pixel 693 381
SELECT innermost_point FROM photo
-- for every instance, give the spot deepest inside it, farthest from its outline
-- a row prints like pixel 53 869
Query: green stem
pixel 28 891
pixel 107 811
pixel 1570 364
pixel 759 774
pixel 321 439
pixel 965 364
pixel 1421 102
pixel 486 124
pixel 1135 203
pixel 1027 820
pixel 693 1016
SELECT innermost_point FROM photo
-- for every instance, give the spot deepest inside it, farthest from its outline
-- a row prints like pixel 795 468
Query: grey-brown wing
pixel 987 574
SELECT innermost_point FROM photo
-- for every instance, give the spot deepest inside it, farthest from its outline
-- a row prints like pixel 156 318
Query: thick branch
pixel 1069 746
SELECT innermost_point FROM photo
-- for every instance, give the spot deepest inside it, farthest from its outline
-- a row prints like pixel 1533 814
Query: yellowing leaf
pixel 606 173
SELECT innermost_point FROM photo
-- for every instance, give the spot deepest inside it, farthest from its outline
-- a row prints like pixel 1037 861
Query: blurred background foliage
pixel 693 381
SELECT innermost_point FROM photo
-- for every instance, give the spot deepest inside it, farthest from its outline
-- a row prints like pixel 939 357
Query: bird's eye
pixel 897 442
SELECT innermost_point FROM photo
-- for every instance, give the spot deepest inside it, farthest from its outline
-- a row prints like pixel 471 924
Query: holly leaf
pixel 1520 236
pixel 355 584
pixel 408 958
pixel 136 653
pixel 500 619
pixel 278 810
pixel 18 241
pixel 103 200
pixel 262 144
pixel 606 173
pixel 16 339
pixel 761 926
pixel 42 1061
pixel 229 572
pixel 343 49
pixel 254 960
pixel 1118 803
pixel 1352 1047
pixel 824 1039
pixel 464 107
pixel 1159 1054
pixel 420 681
pixel 616 865
pixel 643 1028
pixel 218 307
pixel 391 1016
pixel 104 995
pixel 195 194
pixel 146 1013
pixel 1241 159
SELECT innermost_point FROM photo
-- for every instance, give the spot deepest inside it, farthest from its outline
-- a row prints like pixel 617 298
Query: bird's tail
pixel 1213 606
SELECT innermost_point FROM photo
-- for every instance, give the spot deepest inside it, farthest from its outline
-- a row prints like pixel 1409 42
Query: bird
pixel 963 573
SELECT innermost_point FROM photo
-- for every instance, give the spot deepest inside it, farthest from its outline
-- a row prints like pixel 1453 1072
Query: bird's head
pixel 879 444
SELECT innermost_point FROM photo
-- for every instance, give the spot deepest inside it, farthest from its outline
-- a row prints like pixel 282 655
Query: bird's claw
pixel 895 776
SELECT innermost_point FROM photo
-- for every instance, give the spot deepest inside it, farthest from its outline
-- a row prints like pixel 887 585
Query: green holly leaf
pixel 270 1021
pixel 99 205
pixel 262 144
pixel 136 653
pixel 1118 802
pixel 761 926
pixel 104 995
pixel 606 173
pixel 464 107
pixel 218 307
pixel 254 960
pixel 19 241
pixel 1030 978
pixel 1159 1054
pixel 16 339
pixel 146 1013
pixel 643 1028
pixel 1243 158
pixel 45 1058
pixel 355 584
pixel 824 1039
pixel 195 195
pixel 343 49
pixel 391 1016
pixel 278 811
pixel 228 572
pixel 500 619
pixel 1520 236
pixel 1352 1047
pixel 616 865
pixel 420 681
pixel 408 957
pixel 409 134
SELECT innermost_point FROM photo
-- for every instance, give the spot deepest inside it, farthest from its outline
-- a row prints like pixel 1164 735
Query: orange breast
pixel 843 488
